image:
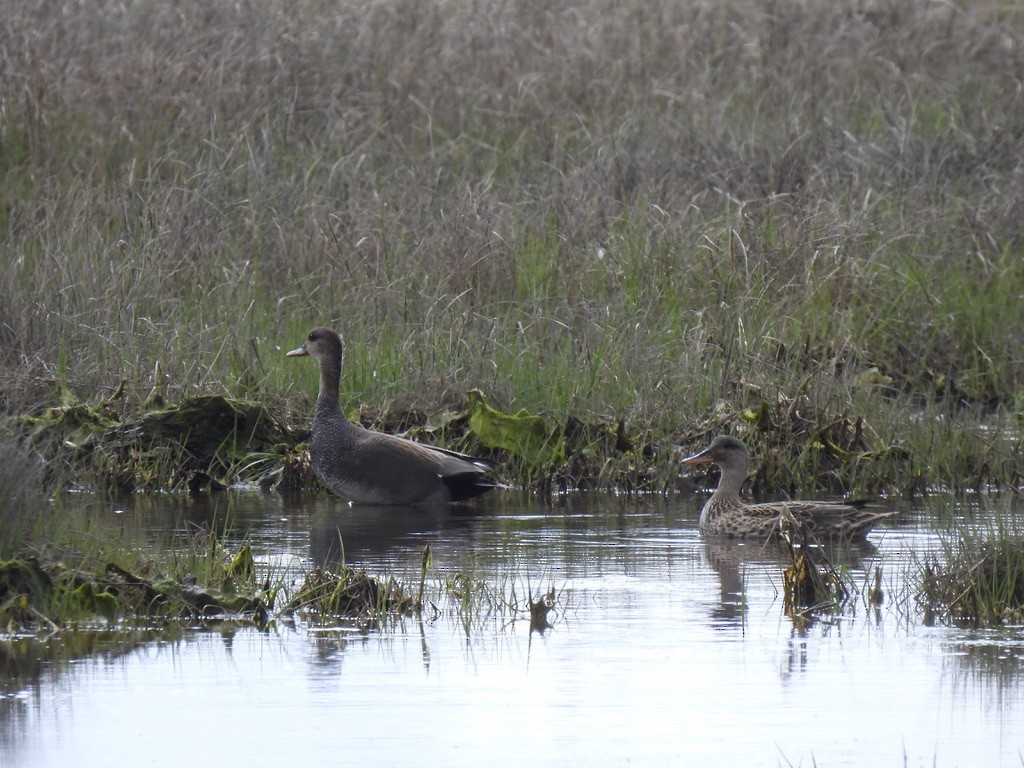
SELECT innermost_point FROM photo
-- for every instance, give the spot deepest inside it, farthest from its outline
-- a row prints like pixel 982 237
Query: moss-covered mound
pixel 201 442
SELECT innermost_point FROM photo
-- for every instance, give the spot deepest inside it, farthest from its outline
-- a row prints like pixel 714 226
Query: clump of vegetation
pixel 208 442
pixel 977 580
pixel 199 579
pixel 25 593
pixel 349 594
pixel 541 609
pixel 197 444
pixel 475 602
pixel 811 581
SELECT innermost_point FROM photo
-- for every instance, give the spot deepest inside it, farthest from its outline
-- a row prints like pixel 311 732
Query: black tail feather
pixel 466 485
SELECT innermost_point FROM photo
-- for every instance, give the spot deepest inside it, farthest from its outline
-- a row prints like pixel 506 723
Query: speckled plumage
pixel 725 514
pixel 371 467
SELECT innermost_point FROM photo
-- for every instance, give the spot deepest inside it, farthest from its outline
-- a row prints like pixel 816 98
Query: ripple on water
pixel 666 647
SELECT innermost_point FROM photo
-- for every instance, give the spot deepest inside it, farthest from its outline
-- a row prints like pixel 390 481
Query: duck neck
pixel 729 486
pixel 330 382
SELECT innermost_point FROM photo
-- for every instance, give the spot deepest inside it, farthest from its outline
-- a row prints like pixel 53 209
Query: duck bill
pixel 704 457
pixel 300 352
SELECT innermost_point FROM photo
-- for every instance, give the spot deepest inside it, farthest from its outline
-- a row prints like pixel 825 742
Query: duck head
pixel 321 344
pixel 726 451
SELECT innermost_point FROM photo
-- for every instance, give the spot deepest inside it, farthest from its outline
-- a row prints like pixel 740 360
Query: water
pixel 665 649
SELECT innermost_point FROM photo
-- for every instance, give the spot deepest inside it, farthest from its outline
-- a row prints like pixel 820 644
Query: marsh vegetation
pixel 643 223
pixel 675 215
pixel 977 578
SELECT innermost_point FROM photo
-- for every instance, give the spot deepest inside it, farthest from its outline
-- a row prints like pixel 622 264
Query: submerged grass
pixel 90 575
pixel 476 603
pixel 656 214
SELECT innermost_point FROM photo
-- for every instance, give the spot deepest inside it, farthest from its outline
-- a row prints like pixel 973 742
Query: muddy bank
pixel 211 442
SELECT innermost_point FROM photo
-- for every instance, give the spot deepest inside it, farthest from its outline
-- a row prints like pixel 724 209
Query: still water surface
pixel 665 650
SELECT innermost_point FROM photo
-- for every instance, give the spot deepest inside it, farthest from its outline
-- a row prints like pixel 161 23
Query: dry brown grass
pixel 631 210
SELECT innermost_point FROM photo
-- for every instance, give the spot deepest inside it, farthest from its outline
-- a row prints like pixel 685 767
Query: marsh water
pixel 664 649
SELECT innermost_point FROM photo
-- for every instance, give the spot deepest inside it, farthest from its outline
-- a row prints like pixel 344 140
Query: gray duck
pixel 369 467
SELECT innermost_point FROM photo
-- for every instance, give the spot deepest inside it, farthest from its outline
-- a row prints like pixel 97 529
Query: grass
pixel 811 582
pixel 96 571
pixel 977 579
pixel 475 603
pixel 663 214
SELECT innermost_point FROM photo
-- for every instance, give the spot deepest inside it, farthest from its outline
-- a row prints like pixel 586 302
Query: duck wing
pixel 412 472
pixel 835 518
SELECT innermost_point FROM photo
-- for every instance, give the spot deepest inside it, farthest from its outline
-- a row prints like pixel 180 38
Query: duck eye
pixel 311 336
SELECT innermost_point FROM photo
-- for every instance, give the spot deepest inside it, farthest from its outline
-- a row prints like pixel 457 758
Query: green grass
pixel 977 578
pixel 658 213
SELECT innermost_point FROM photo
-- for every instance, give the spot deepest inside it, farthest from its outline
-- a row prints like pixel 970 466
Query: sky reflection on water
pixel 667 648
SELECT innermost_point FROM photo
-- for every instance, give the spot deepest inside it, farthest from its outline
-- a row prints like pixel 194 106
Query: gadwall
pixel 371 467
pixel 724 514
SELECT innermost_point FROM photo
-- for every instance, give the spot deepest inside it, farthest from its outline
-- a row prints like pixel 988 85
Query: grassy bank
pixel 684 216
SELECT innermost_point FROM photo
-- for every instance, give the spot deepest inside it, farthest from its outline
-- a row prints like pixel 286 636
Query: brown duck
pixel 371 467
pixel 724 514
